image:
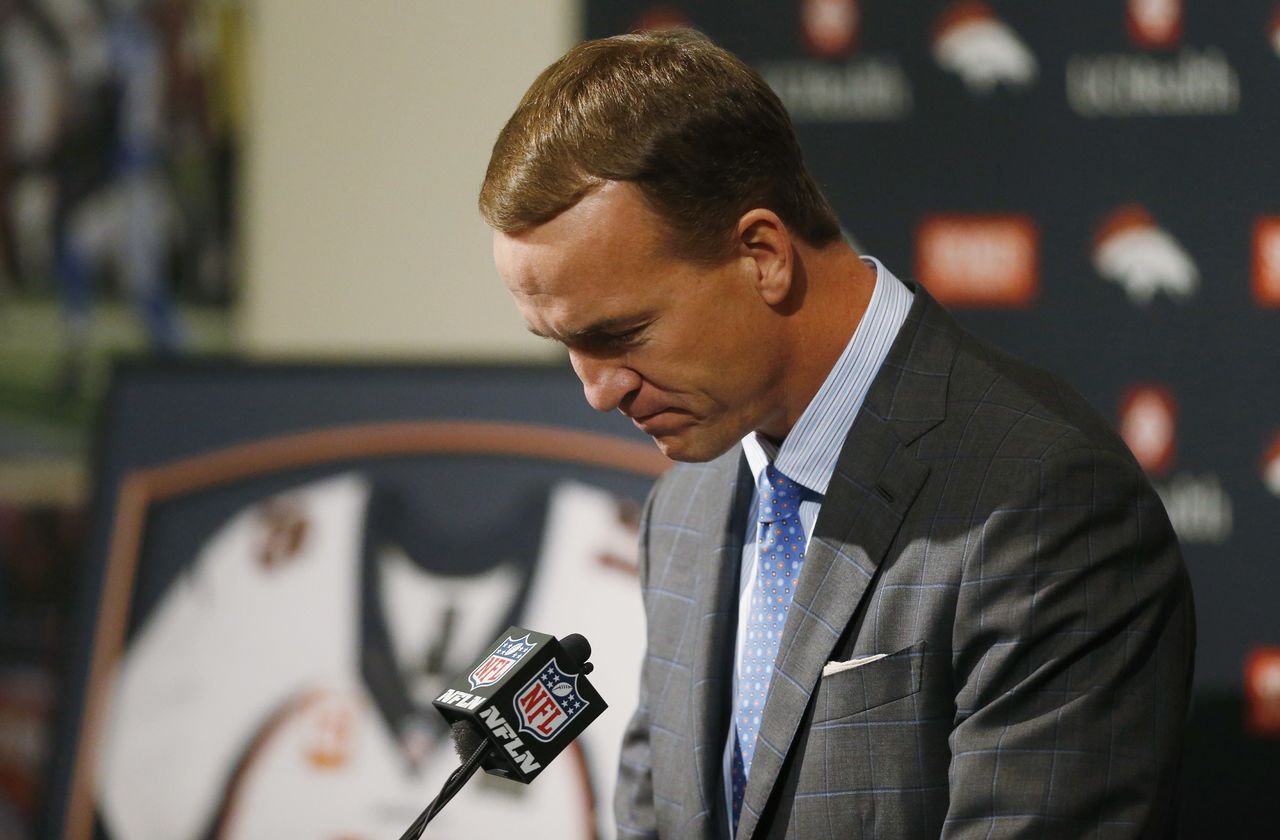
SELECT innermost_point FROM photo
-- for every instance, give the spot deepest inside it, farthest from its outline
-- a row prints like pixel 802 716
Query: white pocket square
pixel 836 667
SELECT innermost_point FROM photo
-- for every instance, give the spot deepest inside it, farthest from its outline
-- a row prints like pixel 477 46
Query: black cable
pixel 448 790
pixel 463 774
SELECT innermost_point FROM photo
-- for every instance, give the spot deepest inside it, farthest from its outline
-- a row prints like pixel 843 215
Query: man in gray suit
pixel 907 585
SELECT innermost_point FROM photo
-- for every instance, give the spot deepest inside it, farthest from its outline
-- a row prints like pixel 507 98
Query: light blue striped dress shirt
pixel 808 454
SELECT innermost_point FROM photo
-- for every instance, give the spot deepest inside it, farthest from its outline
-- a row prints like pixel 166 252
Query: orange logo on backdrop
pixel 979 261
pixel 961 13
pixel 830 26
pixel 1124 219
pixel 1266 261
pixel 1155 24
pixel 1262 691
pixel 1275 30
pixel 1271 466
pixel 1148 424
pixel 663 17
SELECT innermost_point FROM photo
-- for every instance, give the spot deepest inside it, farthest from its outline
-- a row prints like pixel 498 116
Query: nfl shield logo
pixel 548 702
pixel 497 664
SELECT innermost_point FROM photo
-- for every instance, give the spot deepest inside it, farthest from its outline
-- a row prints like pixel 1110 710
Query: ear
pixel 766 242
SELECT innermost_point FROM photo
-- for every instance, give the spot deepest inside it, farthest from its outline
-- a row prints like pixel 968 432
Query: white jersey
pixel 241 709
pixel 586 582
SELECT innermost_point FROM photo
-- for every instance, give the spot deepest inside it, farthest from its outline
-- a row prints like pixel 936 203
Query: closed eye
pixel 624 337
pixel 608 340
pixel 605 338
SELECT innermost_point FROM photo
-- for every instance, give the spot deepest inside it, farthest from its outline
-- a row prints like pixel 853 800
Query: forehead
pixel 610 234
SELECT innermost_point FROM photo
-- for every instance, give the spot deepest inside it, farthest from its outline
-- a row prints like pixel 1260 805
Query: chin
pixel 691 449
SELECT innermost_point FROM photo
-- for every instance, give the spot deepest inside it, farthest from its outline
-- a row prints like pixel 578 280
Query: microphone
pixel 515 709
pixel 577 650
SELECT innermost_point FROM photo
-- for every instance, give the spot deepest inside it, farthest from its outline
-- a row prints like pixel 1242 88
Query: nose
pixel 604 382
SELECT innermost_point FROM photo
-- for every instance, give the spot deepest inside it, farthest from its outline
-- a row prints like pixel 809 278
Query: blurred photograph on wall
pixel 119 124
pixel 119 128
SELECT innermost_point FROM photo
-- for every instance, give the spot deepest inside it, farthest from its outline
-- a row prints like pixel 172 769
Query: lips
pixel 662 422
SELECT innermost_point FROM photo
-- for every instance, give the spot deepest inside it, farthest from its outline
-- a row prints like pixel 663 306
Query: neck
pixel 833 288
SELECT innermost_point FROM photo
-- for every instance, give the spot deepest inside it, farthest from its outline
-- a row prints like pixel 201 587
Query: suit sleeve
pixel 633 798
pixel 1072 658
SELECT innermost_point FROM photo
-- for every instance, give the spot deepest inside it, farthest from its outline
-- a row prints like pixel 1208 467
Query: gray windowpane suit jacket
pixel 987 531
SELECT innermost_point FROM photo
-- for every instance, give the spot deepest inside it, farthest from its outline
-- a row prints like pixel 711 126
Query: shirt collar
pixel 808 454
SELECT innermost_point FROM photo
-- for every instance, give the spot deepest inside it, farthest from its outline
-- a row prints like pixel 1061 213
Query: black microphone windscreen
pixel 577 650
pixel 466 738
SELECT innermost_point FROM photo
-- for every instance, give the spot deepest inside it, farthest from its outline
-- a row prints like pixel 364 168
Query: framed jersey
pixel 288 562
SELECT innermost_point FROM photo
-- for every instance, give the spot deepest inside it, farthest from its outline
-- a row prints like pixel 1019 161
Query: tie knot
pixel 779 496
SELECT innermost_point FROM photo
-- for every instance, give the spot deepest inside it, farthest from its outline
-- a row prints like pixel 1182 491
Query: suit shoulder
pixel 1001 406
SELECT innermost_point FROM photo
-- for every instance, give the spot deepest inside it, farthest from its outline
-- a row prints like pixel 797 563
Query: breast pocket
pixel 857 690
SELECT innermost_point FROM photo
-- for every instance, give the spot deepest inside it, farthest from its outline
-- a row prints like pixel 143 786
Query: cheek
pixel 712 354
pixel 729 378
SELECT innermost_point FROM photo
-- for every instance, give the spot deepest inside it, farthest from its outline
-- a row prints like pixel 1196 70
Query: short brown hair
pixel 697 130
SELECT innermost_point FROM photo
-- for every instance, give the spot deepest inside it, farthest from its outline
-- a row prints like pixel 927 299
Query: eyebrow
pixel 599 331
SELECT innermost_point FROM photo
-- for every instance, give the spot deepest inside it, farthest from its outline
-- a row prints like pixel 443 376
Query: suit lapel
pixel 876 481
pixel 715 599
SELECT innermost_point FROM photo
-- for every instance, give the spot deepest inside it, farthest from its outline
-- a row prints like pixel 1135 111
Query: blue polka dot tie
pixel 780 546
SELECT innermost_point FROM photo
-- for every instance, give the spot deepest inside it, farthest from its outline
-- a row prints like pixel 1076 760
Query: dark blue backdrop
pixel 1164 110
